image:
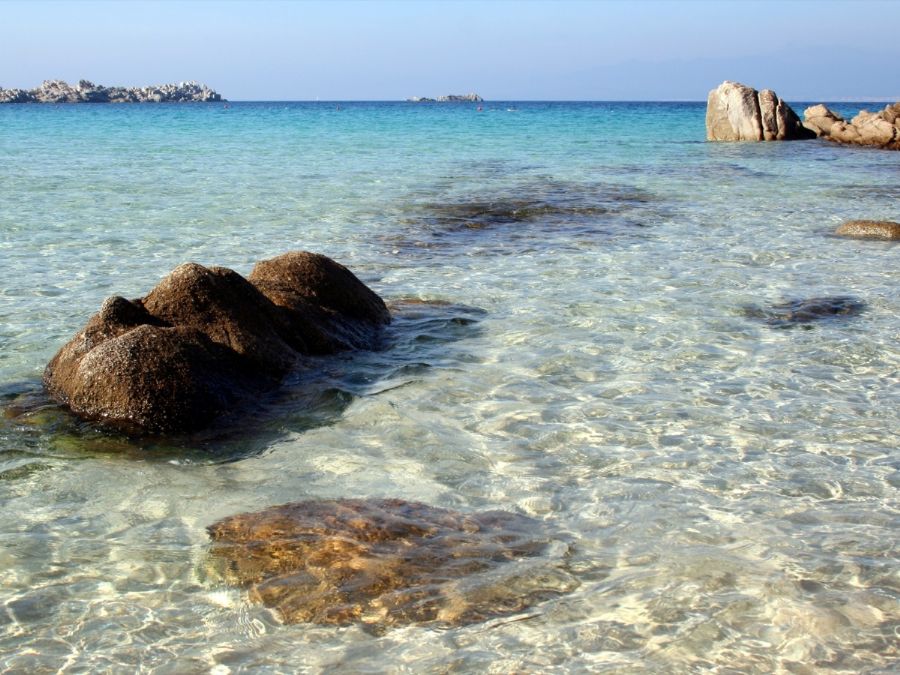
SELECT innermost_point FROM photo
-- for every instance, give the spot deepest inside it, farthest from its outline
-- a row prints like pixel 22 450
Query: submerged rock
pixel 806 311
pixel 736 112
pixel 869 229
pixel 385 562
pixel 204 340
pixel 881 129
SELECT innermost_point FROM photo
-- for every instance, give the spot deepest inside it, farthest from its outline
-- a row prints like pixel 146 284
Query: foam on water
pixel 584 357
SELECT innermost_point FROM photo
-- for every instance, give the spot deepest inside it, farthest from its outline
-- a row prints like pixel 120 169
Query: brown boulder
pixel 206 339
pixel 869 229
pixel 384 562
pixel 347 314
pixel 157 380
pixel 227 308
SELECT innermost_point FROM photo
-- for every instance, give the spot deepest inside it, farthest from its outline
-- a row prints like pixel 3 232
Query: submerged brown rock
pixel 204 340
pixel 869 229
pixel 385 562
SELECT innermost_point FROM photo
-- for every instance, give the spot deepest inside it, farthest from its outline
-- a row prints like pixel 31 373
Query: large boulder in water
pixel 387 562
pixel 736 112
pixel 204 340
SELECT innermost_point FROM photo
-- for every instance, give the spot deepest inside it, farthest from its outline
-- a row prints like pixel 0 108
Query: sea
pixel 589 331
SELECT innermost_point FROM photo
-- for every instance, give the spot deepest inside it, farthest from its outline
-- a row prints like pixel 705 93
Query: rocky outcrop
pixel 448 98
pixel 869 229
pixel 58 91
pixel 736 112
pixel 204 340
pixel 880 130
pixel 386 562
pixel 460 98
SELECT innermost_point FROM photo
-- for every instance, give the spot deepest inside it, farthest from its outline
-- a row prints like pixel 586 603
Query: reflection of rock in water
pixel 386 562
pixel 786 314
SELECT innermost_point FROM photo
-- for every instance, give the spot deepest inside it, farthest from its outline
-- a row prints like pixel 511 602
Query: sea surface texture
pixel 586 335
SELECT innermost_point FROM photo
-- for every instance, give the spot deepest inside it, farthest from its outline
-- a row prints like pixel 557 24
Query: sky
pixel 815 50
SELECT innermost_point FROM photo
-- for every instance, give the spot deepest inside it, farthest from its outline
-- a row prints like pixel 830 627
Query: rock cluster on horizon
pixel 880 129
pixel 736 112
pixel 206 340
pixel 448 98
pixel 58 91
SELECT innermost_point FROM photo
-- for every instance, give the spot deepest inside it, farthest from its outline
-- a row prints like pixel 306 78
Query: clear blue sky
pixel 587 50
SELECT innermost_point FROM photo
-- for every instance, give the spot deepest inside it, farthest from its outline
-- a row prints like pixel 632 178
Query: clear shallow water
pixel 730 489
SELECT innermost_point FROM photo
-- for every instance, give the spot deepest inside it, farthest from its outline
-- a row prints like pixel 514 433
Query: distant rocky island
pixel 58 91
pixel 449 98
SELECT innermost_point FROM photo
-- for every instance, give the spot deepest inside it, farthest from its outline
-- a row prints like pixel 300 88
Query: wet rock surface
pixel 806 311
pixel 736 112
pixel 59 91
pixel 879 129
pixel 205 340
pixel 386 562
pixel 869 229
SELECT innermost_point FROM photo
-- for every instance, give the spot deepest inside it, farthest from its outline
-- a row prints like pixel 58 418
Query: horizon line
pixel 844 99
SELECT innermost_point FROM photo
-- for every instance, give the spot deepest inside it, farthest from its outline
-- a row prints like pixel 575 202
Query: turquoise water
pixel 729 489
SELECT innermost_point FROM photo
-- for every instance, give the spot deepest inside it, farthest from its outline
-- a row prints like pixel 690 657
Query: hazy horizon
pixel 504 51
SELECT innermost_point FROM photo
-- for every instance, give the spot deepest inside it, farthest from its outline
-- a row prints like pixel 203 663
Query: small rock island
pixel 58 91
pixel 448 98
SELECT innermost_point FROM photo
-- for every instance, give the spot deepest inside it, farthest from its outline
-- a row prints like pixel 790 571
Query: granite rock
pixel 880 129
pixel 204 340
pixel 736 112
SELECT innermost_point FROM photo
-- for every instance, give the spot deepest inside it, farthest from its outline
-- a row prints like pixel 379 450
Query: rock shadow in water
pixel 383 563
pixel 523 213
pixel 806 311
pixel 317 395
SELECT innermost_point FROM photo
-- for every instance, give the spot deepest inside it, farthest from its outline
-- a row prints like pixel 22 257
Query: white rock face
pixel 58 91
pixel 736 112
